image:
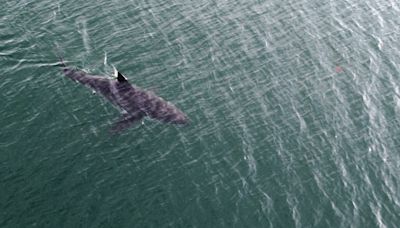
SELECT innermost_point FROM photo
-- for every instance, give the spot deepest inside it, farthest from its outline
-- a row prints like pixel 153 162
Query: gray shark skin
pixel 134 102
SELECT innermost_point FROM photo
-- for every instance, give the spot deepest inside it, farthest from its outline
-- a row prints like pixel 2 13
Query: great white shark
pixel 135 103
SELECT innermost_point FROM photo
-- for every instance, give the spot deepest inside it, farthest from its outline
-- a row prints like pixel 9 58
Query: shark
pixel 134 102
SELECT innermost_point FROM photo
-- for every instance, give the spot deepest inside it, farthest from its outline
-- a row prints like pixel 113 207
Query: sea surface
pixel 294 110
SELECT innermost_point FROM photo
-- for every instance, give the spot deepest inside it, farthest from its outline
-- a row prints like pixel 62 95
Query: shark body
pixel 134 102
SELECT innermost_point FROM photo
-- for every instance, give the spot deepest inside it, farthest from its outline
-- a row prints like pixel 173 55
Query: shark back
pixel 97 83
pixel 132 98
pixel 157 108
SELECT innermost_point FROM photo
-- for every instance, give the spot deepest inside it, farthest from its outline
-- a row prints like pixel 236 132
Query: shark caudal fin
pixel 62 63
pixel 59 54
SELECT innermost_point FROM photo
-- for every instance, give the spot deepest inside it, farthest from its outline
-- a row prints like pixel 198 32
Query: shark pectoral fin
pixel 125 122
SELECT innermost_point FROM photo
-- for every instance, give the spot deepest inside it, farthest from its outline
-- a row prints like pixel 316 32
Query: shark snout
pixel 180 119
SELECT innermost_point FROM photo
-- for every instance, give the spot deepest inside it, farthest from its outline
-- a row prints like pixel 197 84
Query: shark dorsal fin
pixel 121 78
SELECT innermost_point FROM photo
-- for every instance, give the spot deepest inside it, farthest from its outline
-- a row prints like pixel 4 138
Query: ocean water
pixel 294 109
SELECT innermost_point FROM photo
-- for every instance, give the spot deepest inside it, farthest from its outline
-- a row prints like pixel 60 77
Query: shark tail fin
pixel 60 56
pixel 62 63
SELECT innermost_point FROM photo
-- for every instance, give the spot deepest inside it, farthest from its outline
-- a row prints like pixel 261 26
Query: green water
pixel 294 109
